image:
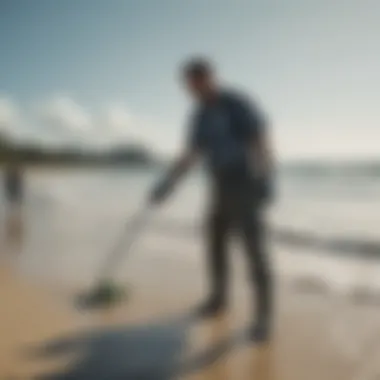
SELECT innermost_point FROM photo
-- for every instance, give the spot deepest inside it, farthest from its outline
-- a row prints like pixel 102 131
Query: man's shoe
pixel 211 308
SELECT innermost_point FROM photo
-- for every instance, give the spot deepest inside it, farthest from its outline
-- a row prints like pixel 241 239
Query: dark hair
pixel 197 67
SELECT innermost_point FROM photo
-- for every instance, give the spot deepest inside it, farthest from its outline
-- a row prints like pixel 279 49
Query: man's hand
pixel 160 192
pixel 165 187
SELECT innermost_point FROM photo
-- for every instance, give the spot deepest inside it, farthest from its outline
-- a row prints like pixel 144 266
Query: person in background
pixel 230 133
pixel 14 192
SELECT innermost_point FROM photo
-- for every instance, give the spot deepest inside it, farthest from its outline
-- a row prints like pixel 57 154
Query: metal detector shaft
pixel 131 232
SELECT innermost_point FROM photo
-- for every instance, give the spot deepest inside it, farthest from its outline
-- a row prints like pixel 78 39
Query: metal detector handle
pixel 131 232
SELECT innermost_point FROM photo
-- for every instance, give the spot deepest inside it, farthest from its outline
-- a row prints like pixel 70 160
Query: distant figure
pixel 229 132
pixel 14 192
pixel 13 185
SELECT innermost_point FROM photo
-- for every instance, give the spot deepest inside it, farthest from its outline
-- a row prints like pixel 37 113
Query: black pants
pixel 235 208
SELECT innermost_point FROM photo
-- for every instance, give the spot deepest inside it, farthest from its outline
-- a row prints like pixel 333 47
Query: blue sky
pixel 95 72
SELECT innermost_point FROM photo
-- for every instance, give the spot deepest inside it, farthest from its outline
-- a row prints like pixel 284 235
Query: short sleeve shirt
pixel 223 131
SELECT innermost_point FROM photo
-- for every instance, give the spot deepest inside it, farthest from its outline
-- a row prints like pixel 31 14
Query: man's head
pixel 199 78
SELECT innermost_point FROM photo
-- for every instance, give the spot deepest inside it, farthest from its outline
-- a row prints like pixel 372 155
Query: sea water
pixel 72 218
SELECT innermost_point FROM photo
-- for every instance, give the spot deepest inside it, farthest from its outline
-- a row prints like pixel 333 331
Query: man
pixel 229 133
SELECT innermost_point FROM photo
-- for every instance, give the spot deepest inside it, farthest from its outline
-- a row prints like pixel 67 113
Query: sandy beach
pixel 326 324
pixel 152 337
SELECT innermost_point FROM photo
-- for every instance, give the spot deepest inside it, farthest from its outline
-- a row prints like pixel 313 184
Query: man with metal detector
pixel 230 133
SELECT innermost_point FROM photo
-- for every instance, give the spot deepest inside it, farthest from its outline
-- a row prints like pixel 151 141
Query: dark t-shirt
pixel 224 132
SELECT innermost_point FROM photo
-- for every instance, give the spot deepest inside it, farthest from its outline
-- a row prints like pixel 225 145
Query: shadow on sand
pixel 142 352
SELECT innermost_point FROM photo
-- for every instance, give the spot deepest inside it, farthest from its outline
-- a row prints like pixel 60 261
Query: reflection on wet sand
pixel 243 359
pixel 218 369
pixel 14 229
pixel 229 355
pixel 261 362
pixel 137 341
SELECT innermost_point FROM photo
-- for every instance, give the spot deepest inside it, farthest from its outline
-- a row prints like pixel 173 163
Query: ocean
pixel 323 222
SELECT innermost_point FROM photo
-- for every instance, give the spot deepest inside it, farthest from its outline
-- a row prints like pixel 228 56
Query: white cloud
pixel 63 121
pixel 120 125
pixel 113 125
pixel 117 124
pixel 118 119
pixel 65 115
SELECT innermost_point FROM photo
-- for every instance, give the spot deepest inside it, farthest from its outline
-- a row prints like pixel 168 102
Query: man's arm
pixel 175 173
pixel 181 166
pixel 188 157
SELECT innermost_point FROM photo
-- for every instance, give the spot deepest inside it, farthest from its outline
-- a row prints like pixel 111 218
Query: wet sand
pixel 152 337
pixel 323 329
